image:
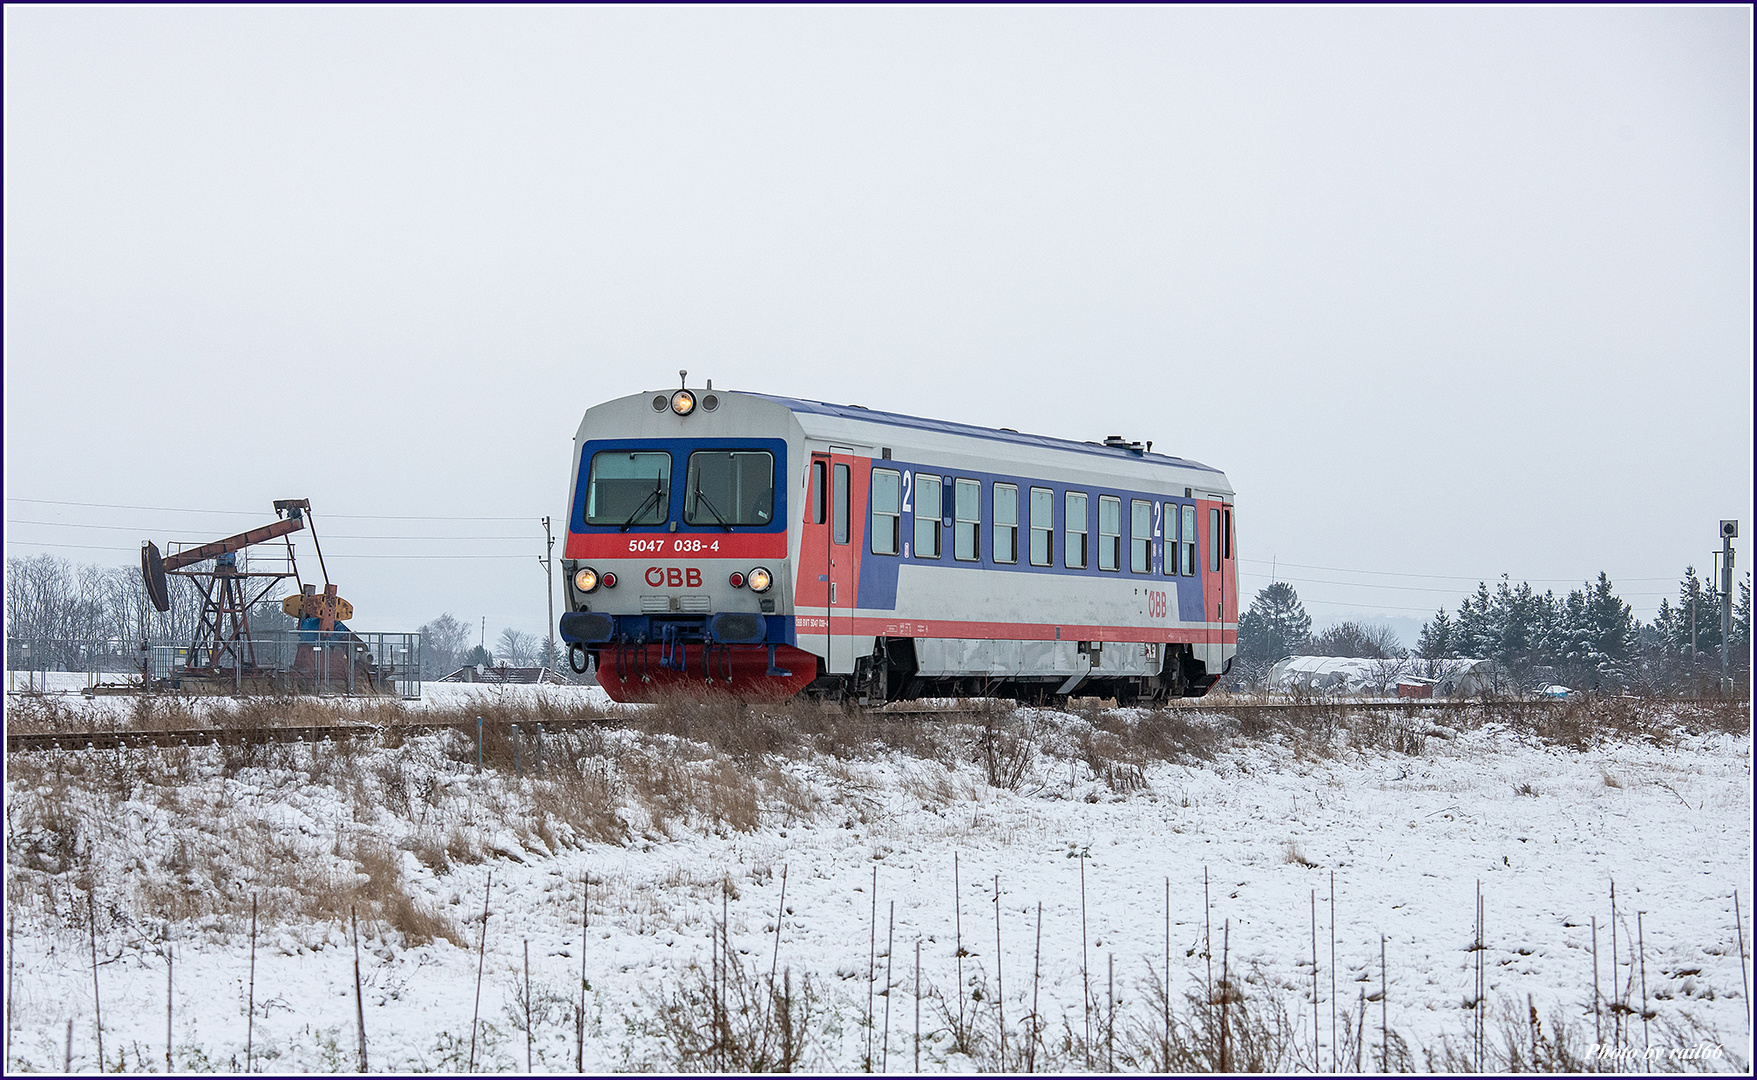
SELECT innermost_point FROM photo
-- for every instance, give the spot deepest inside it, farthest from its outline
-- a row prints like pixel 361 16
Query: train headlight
pixel 760 579
pixel 586 579
pixel 683 403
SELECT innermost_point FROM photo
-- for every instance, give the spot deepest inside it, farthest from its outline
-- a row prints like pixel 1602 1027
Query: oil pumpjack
pixel 224 653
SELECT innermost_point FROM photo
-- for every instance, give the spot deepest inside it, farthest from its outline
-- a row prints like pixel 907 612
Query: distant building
pixel 1353 675
pixel 506 675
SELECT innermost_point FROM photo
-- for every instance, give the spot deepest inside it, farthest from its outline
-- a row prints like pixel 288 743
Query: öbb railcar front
pixel 770 545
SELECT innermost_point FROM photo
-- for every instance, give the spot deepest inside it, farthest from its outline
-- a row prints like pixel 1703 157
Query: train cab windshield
pixel 729 487
pixel 629 488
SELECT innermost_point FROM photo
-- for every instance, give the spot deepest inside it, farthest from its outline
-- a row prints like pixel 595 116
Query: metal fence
pixel 32 660
pixel 280 662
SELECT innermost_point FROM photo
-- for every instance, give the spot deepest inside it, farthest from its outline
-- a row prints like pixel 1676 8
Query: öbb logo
pixel 674 577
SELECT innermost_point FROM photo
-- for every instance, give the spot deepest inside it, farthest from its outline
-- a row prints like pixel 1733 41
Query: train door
pixel 1228 582
pixel 1215 563
pixel 844 535
pixel 812 595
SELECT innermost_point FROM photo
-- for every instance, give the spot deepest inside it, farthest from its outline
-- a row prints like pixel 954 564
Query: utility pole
pixel 548 561
pixel 1693 591
pixel 1728 530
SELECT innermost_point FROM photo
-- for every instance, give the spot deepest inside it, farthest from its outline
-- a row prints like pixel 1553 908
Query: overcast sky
pixel 1447 293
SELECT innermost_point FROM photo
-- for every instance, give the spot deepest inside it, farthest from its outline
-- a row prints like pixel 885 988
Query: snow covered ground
pixel 667 829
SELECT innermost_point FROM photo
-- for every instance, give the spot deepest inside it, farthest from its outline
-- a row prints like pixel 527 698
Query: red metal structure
pixel 223 647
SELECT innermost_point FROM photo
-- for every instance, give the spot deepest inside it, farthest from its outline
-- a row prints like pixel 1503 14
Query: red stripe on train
pixel 675 546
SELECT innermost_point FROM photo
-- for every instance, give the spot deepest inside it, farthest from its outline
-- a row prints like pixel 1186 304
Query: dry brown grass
pixel 584 796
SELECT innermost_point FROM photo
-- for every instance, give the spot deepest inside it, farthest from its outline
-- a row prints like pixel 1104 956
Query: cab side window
pixel 839 497
pixel 1214 540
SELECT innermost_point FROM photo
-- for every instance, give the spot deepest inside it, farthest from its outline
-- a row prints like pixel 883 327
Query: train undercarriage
pixel 635 671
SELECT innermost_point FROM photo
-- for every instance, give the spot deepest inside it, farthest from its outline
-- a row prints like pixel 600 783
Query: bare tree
pixel 443 643
pixel 39 591
pixel 1358 640
pixel 79 615
pixel 517 647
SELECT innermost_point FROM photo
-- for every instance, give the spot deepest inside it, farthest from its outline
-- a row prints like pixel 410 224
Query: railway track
pixel 115 739
pixel 123 739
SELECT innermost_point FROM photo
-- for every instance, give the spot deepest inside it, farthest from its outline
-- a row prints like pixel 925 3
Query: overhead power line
pixel 1415 588
pixel 332 555
pixel 332 536
pixel 259 513
pixel 1436 577
pixel 1461 594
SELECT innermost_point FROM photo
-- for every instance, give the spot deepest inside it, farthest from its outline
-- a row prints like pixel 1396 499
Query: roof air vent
pixel 1117 442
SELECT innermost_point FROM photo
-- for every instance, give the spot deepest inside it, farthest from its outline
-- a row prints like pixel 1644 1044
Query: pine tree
pixel 1435 642
pixel 1573 652
pixel 1613 626
pixel 1275 626
pixel 1476 633
pixel 1742 622
pixel 1665 624
pixel 1552 627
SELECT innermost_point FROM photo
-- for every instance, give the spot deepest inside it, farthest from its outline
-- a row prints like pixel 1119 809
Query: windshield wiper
pixel 642 508
pixel 703 500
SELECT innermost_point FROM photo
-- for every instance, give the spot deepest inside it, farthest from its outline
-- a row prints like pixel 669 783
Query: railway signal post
pixel 1729 529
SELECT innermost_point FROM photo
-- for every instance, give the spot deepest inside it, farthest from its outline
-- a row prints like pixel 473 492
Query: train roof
pixel 948 427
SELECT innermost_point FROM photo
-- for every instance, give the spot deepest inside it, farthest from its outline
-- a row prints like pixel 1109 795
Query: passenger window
pixel 818 497
pixel 1006 523
pixel 1140 536
pixel 1189 541
pixel 966 519
pixel 1226 530
pixel 840 497
pixel 1110 532
pixel 1214 539
pixel 927 516
pixel 1042 526
pixel 1075 526
pixel 1169 565
pixel 887 512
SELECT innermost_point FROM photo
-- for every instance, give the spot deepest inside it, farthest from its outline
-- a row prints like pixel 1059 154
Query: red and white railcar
pixel 767 544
